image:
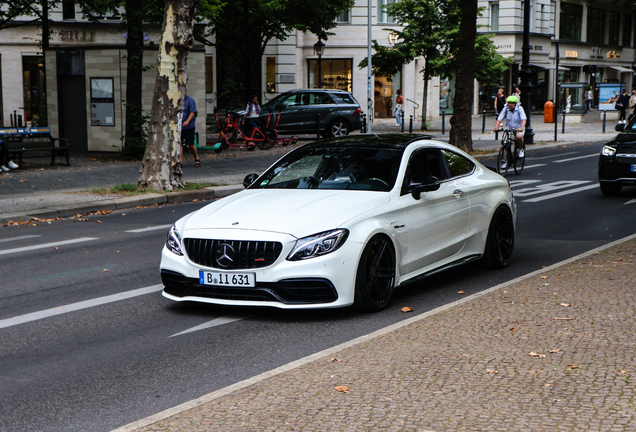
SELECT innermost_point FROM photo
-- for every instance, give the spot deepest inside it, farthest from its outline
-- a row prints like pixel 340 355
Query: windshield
pixel 351 168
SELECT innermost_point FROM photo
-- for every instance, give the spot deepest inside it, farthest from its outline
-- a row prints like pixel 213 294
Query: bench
pixel 32 142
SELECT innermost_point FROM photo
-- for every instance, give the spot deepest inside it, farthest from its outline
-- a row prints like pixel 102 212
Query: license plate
pixel 633 168
pixel 227 279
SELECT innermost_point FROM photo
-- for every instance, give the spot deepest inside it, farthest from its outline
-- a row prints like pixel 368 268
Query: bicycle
pixel 509 148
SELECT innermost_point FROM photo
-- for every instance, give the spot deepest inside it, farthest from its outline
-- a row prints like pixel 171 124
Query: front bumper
pixel 615 169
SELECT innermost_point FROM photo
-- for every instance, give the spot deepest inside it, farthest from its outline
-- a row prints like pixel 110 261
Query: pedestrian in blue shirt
pixel 189 117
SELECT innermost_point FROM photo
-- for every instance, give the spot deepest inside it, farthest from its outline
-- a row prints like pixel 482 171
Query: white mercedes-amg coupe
pixel 342 221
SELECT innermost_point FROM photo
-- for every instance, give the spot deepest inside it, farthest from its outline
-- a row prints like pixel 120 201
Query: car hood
pixel 295 212
pixel 626 137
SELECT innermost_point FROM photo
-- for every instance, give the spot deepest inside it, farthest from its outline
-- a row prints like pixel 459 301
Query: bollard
pixel 563 125
pixel 19 120
pixel 402 120
pixel 443 121
pixel 318 127
pixel 411 124
pixel 483 123
pixel 604 120
pixel 364 123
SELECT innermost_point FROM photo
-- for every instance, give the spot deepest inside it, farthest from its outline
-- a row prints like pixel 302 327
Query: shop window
pixel 614 27
pixel 571 16
pixel 343 18
pixel 595 25
pixel 33 87
pixel 336 74
pixel 68 9
pixel 270 75
pixel 494 17
pixel 627 31
pixel 385 93
pixel 102 102
pixel 209 74
pixel 382 15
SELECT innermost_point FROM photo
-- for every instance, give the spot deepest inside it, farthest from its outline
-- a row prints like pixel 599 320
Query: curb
pixel 210 193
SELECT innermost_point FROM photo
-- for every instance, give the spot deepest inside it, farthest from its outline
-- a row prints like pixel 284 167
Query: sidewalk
pixel 550 351
pixel 45 191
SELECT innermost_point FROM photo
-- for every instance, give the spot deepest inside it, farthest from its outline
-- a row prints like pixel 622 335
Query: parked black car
pixel 299 109
pixel 617 162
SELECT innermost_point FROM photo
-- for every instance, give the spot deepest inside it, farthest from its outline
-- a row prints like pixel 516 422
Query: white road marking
pixel 152 228
pixel 19 238
pixel 576 158
pixel 558 194
pixel 552 156
pixel 515 183
pixel 631 201
pixel 46 245
pixel 215 322
pixel 533 166
pixel 548 187
pixel 47 313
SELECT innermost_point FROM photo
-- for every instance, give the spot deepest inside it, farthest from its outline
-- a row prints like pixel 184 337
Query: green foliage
pixel 125 187
pixel 431 30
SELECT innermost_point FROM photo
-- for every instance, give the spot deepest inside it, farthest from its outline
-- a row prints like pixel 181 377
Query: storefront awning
pixel 622 69
pixel 549 66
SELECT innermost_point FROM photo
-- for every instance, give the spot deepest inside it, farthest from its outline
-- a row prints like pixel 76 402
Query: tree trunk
pixel 461 121
pixel 160 168
pixel 134 58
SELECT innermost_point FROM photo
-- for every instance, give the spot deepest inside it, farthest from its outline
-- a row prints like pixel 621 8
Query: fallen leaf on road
pixel 534 354
pixel 554 351
pixel 492 371
pixel 512 329
pixel 547 385
pixel 460 292
pixel 56 248
pixel 105 270
pixel 573 367
pixel 342 389
pixel 563 319
pixel 99 221
pixel 564 304
pixel 335 360
pixel 545 284
pixel 407 309
pixel 544 277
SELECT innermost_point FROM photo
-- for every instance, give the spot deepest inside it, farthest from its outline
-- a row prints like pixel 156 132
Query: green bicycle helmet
pixel 512 99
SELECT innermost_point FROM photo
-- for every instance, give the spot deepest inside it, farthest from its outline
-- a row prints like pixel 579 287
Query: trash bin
pixel 548 112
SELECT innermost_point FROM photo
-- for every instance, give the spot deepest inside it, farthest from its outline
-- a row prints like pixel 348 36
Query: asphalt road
pixel 88 343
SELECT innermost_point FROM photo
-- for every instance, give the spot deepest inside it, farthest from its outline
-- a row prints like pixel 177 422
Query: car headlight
pixel 318 244
pixel 608 151
pixel 173 243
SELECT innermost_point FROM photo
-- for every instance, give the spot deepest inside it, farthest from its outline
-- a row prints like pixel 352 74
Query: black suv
pixel 617 162
pixel 299 109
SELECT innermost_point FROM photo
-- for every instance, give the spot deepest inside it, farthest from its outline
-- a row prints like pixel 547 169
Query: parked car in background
pixel 617 161
pixel 339 112
pixel 342 221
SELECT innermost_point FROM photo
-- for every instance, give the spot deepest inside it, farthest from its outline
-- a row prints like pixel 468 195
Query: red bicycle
pixel 262 137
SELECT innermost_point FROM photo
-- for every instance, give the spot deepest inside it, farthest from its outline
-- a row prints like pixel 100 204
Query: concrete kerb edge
pixel 333 350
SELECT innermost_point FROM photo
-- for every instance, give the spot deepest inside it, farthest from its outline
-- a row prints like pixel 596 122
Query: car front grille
pixel 232 254
pixel 626 155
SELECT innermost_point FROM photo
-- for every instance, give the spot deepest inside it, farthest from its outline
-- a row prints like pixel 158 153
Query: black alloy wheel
pixel 501 239
pixel 375 279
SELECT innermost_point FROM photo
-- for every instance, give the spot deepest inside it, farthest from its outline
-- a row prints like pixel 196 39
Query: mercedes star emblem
pixel 225 255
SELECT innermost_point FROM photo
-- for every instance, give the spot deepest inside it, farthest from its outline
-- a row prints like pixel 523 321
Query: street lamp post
pixel 526 73
pixel 319 50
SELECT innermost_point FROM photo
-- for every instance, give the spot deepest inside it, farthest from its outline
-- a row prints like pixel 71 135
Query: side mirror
pixel 619 127
pixel 249 179
pixel 280 106
pixel 421 184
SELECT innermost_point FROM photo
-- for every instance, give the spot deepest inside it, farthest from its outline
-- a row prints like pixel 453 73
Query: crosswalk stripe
pixel 46 245
pixel 562 193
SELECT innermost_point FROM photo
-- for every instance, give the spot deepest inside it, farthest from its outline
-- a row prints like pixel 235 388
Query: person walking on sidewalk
pixel 399 102
pixel 500 101
pixel 621 104
pixel 252 111
pixel 515 118
pixel 5 160
pixel 189 117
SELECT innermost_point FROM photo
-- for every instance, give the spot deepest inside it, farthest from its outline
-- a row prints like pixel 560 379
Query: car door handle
pixel 457 193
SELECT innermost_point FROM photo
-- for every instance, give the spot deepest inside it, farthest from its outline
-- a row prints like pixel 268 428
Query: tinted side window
pixel 457 165
pixel 293 100
pixel 344 98
pixel 321 99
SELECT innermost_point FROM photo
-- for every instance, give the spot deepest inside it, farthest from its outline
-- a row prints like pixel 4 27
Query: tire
pixel 375 278
pixel 610 189
pixel 501 239
pixel 219 150
pixel 500 159
pixel 338 128
pixel 251 147
pixel 265 145
pixel 519 164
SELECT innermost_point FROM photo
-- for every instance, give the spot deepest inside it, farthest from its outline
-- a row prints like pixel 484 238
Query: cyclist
pixel 515 119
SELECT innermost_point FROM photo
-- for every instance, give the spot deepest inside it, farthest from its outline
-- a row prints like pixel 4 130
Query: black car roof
pixel 381 140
